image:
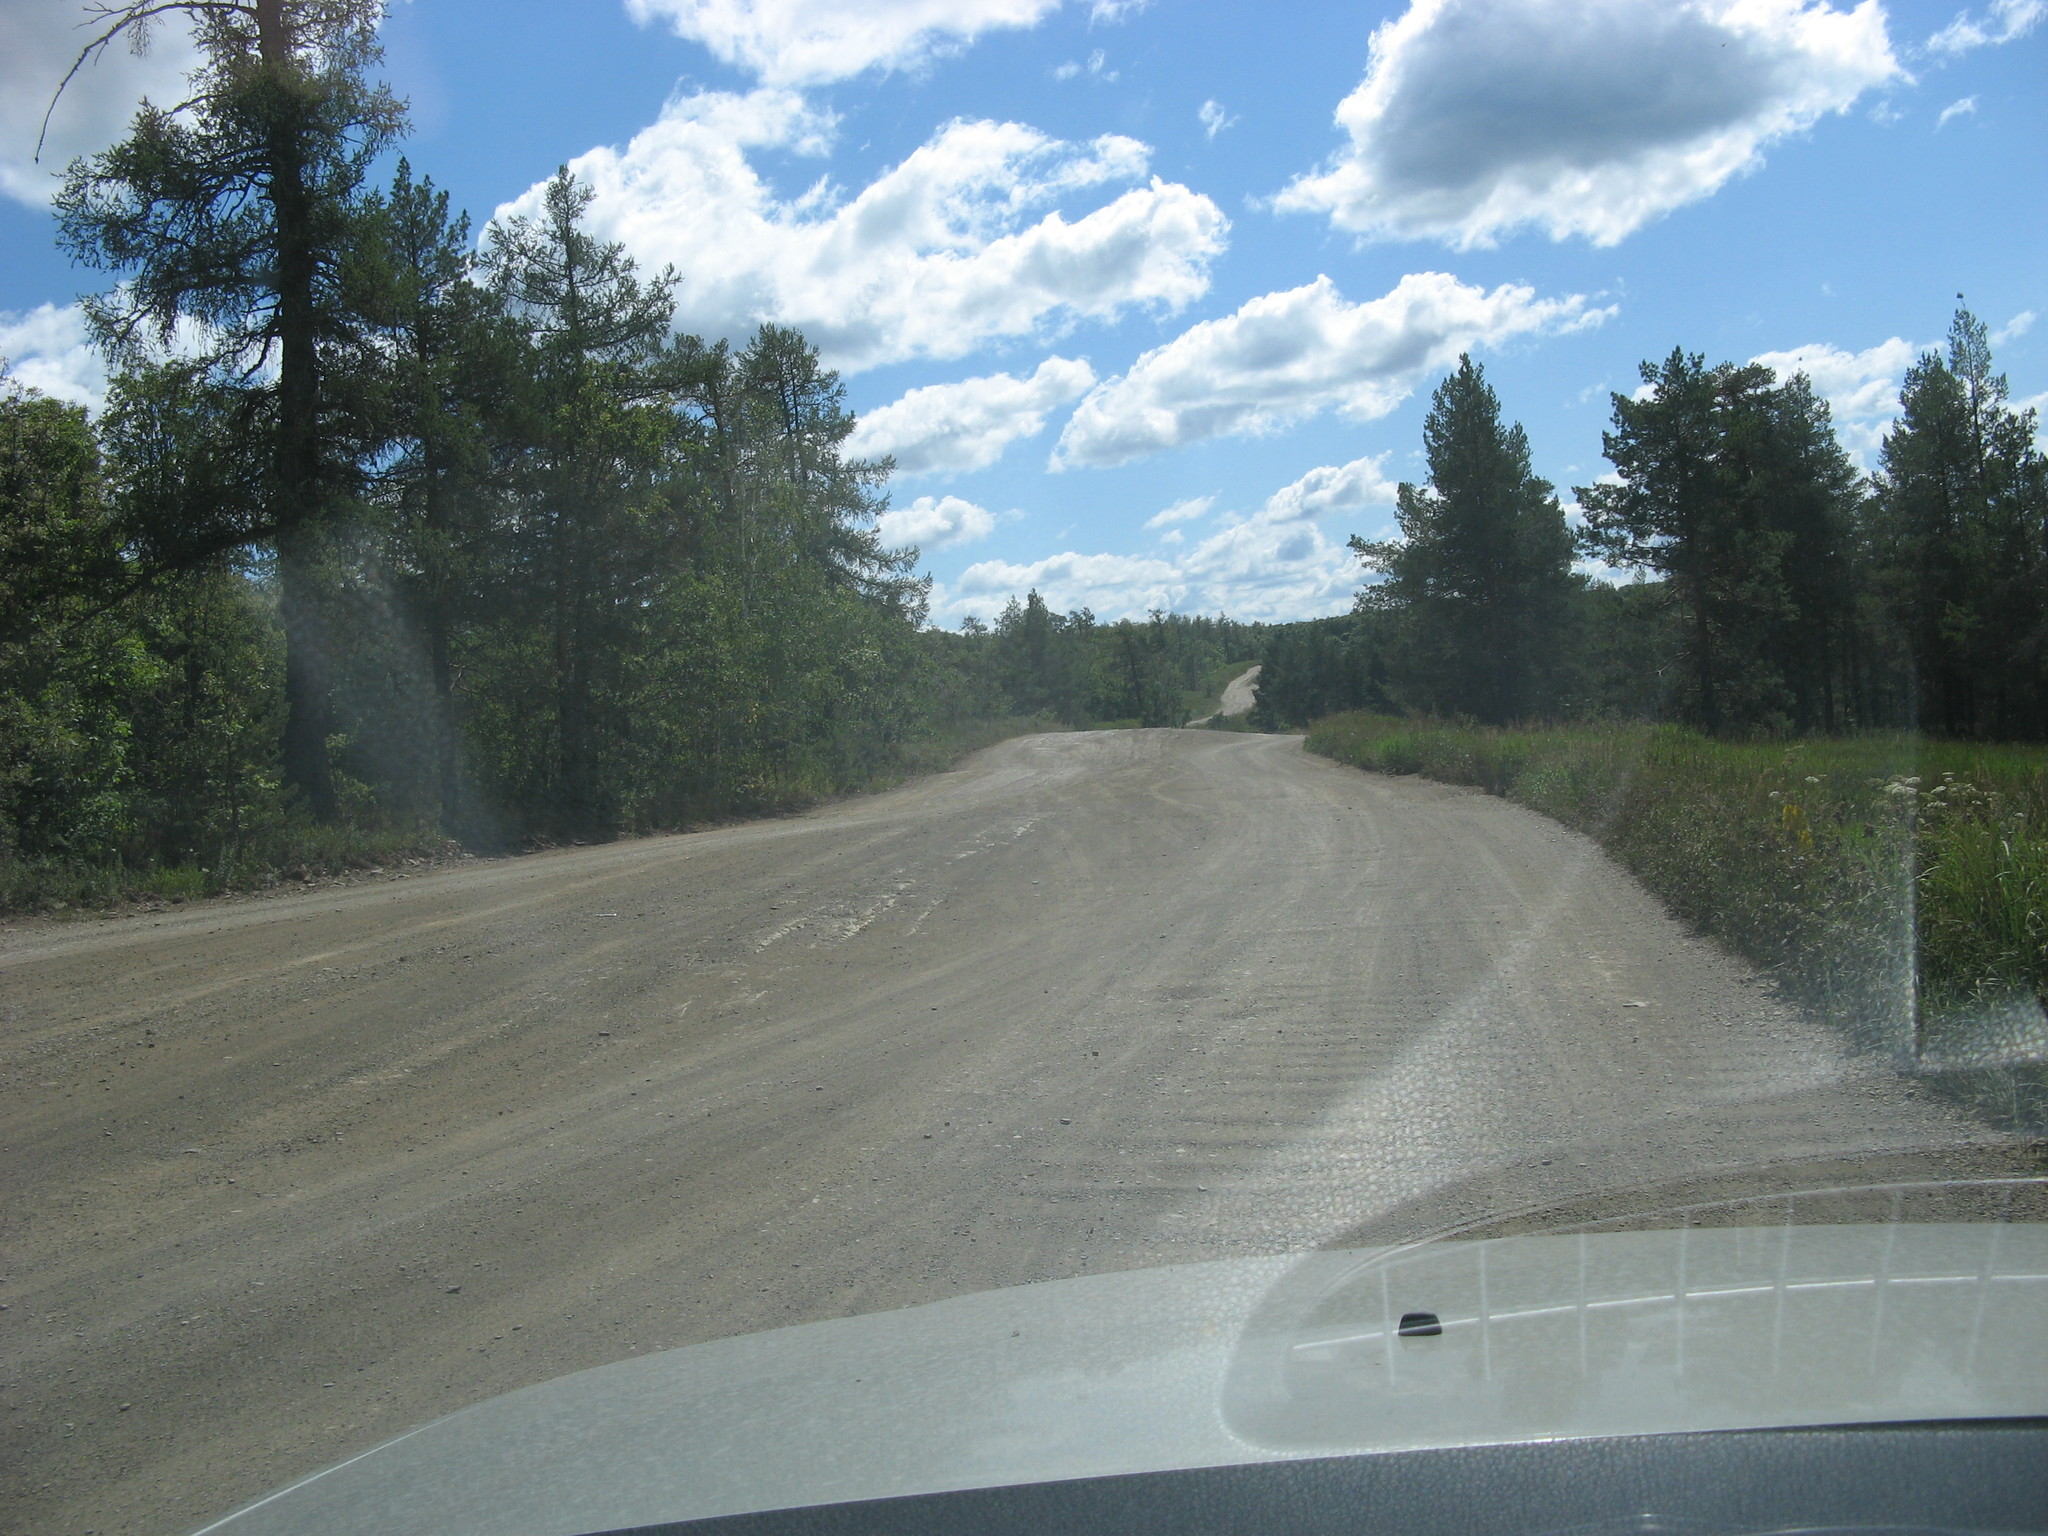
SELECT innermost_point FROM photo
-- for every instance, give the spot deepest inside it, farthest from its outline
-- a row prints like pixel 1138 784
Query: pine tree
pixel 453 414
pixel 1961 503
pixel 1481 577
pixel 605 388
pixel 1664 515
pixel 232 217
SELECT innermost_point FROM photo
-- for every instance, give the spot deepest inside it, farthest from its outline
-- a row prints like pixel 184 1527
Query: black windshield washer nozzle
pixel 1419 1325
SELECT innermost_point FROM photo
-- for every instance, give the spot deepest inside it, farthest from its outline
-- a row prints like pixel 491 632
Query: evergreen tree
pixel 1960 544
pixel 605 383
pixel 232 217
pixel 1665 514
pixel 1807 497
pixel 1480 580
pixel 454 417
pixel 1320 667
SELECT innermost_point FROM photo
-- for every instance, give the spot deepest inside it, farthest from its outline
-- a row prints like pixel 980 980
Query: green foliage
pixel 1959 540
pixel 590 579
pixel 1070 668
pixel 1804 599
pixel 235 219
pixel 1478 589
pixel 1318 668
pixel 1894 882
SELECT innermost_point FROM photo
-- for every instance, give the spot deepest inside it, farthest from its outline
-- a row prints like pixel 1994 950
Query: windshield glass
pixel 669 670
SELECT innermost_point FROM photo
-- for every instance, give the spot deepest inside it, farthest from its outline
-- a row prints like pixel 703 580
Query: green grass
pixel 294 849
pixel 1897 885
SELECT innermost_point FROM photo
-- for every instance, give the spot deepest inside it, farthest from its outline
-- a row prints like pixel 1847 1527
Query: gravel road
pixel 1241 693
pixel 286 1176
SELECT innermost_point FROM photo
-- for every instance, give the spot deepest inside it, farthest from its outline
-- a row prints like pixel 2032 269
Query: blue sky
pixel 1147 299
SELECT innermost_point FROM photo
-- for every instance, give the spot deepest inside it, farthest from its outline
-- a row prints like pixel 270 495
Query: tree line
pixel 382 525
pixel 1775 589
pixel 1073 670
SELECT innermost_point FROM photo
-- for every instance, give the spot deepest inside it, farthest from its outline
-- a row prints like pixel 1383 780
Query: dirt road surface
pixel 1240 694
pixel 284 1177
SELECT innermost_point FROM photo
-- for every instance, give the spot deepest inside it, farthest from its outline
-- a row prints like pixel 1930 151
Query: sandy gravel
pixel 285 1177
pixel 1240 693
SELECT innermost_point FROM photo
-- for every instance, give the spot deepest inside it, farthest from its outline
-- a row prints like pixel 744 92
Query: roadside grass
pixel 290 850
pixel 1894 884
pixel 293 847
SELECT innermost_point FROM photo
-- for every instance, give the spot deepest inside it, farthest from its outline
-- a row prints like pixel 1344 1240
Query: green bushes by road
pixel 1896 884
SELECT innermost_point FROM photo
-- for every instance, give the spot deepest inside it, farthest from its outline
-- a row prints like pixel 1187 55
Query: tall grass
pixel 1897 885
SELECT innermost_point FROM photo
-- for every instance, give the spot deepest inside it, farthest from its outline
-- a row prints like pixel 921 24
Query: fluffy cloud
pixel 1333 488
pixel 1254 570
pixel 947 251
pixel 38 42
pixel 1114 586
pixel 2004 21
pixel 1861 388
pixel 1286 355
pixel 1581 117
pixel 47 349
pixel 1214 119
pixel 810 42
pixel 1274 565
pixel 931 524
pixel 967 425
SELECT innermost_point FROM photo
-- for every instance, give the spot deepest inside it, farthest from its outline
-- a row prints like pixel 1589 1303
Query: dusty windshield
pixel 667 670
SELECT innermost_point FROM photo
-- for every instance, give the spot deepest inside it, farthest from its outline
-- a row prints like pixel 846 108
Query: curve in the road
pixel 289 1175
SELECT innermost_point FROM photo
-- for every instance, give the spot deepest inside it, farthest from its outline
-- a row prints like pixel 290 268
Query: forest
pixel 390 540
pixel 1766 586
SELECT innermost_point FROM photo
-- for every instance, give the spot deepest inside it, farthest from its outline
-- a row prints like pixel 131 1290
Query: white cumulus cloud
pixel 967 425
pixel 956 246
pixel 47 349
pixel 1114 586
pixel 1580 117
pixel 1214 119
pixel 1964 108
pixel 933 524
pixel 1861 388
pixel 811 42
pixel 2003 21
pixel 39 39
pixel 1283 356
pixel 1275 565
pixel 1333 488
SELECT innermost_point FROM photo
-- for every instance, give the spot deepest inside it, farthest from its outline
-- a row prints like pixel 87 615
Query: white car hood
pixel 1241 1361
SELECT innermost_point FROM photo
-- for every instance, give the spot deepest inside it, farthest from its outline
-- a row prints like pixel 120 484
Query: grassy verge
pixel 289 850
pixel 1897 886
pixel 295 848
